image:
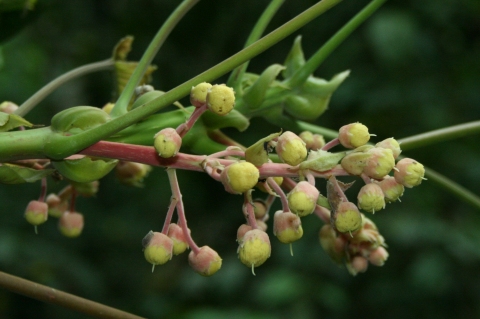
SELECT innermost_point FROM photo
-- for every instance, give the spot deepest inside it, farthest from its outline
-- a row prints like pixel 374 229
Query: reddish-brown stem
pixel 168 218
pixel 248 209
pixel 279 191
pixel 331 144
pixel 73 198
pixel 172 177
pixel 183 129
pixel 46 294
pixel 43 190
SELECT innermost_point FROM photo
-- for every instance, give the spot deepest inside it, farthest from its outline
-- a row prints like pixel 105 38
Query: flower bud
pixel 158 248
pixel 167 142
pixel 287 227
pixel 36 212
pixel 198 94
pixel 391 144
pixel 261 225
pixel 378 256
pixel 371 198
pixel 180 244
pixel 206 262
pixel 242 230
pixel 56 206
pixel 291 149
pixel 86 189
pixel 131 173
pixel 380 162
pixel 391 188
pixel 220 99
pixel 347 218
pixel 8 107
pixel 355 162
pixel 318 142
pixel 409 172
pixel 107 108
pixel 239 177
pixel 353 135
pixel 302 199
pixel 357 265
pixel 254 248
pixel 259 208
pixel 261 185
pixel 334 246
pixel 71 224
pixel 307 137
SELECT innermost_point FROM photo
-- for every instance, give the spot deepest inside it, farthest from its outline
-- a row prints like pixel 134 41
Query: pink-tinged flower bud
pixel 239 177
pixel 353 135
pixel 242 230
pixel 167 142
pixel 220 99
pixel 198 94
pixel 318 142
pixel 157 248
pixel 334 246
pixel 347 218
pixel 36 212
pixel 307 137
pixel 291 149
pixel 380 162
pixel 206 262
pixel 391 144
pixel 371 198
pixel 88 189
pixel 71 224
pixel 261 225
pixel 287 227
pixel 409 172
pixel 391 188
pixel 179 239
pixel 56 206
pixel 378 256
pixel 259 208
pixel 8 107
pixel 254 249
pixel 131 173
pixel 357 265
pixel 355 162
pixel 302 199
pixel 261 185
pixel 107 108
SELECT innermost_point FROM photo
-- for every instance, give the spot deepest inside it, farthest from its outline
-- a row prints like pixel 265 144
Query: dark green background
pixel 415 67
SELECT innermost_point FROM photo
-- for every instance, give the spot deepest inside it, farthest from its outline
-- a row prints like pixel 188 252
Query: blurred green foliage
pixel 415 68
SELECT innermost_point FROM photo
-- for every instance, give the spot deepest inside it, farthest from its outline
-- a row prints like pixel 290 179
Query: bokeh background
pixel 415 67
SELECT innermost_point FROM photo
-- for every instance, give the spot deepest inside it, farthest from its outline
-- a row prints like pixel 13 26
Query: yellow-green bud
pixel 180 244
pixel 347 218
pixel 334 246
pixel 239 177
pixel 71 224
pixel 254 248
pixel 287 227
pixel 8 107
pixel 131 173
pixel 198 94
pixel 206 262
pixel 291 149
pixel 371 198
pixel 380 162
pixel 392 144
pixel 167 142
pixel 36 212
pixel 158 248
pixel 409 172
pixel 391 188
pixel 56 206
pixel 354 162
pixel 259 208
pixel 302 199
pixel 220 99
pixel 353 135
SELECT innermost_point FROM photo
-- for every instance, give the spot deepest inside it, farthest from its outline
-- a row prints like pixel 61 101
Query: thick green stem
pixel 29 104
pixel 236 76
pixel 28 144
pixel 162 34
pixel 314 62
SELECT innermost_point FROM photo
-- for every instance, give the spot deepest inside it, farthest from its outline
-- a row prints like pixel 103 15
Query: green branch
pixel 41 94
pixel 126 96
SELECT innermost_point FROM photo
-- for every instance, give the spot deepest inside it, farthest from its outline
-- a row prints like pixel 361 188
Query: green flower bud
pixel 71 224
pixel 107 108
pixel 347 218
pixel 206 262
pixel 36 212
pixel 287 227
pixel 255 94
pixel 167 142
pixel 409 172
pixel 334 246
pixel 78 119
pixel 353 135
pixel 180 244
pixel 84 169
pixel 371 198
pixel 391 189
pixel 239 177
pixel 380 162
pixel 391 144
pixel 56 206
pixel 254 248
pixel 295 58
pixel 145 98
pixel 355 162
pixel 86 189
pixel 198 94
pixel 220 99
pixel 302 199
pixel 291 149
pixel 8 107
pixel 131 173
pixel 158 248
